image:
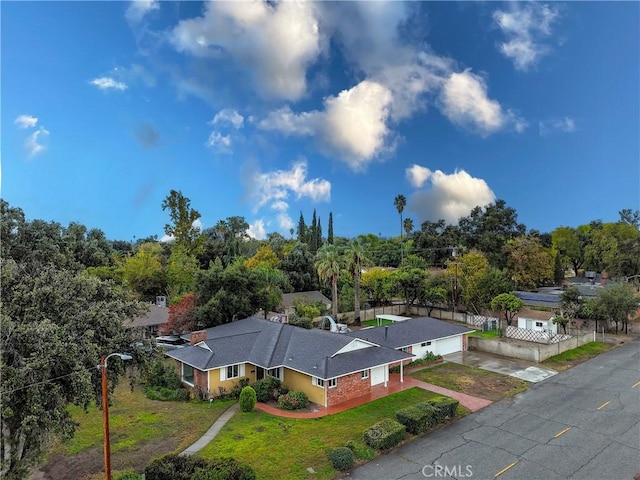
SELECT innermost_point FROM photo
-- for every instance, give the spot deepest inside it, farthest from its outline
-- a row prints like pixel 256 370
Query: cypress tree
pixel 302 230
pixel 330 230
pixel 319 237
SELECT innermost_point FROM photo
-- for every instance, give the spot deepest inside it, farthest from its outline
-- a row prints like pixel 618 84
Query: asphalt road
pixel 583 423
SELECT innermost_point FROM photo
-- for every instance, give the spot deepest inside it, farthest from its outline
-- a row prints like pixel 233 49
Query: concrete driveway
pixel 531 372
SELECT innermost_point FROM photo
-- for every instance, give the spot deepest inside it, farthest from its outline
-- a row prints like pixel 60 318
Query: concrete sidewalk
pixel 212 432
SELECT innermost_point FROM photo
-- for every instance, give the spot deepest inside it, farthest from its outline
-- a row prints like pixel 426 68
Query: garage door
pixel 448 345
pixel 377 375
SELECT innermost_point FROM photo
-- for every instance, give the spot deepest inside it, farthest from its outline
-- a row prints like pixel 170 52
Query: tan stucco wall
pixel 215 383
pixel 300 382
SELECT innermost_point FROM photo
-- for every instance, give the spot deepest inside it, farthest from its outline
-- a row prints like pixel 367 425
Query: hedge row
pixel 385 434
pixel 178 467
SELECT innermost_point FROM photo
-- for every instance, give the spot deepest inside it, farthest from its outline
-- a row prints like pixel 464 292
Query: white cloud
pixel 565 125
pixel 220 143
pixel 166 238
pixel 139 8
pixel 108 83
pixel 228 116
pixel 275 187
pixel 285 222
pixel 26 121
pixel 275 42
pixel 525 28
pixel 353 124
pixel 449 197
pixel 34 143
pixel 417 175
pixel 465 102
pixel 256 230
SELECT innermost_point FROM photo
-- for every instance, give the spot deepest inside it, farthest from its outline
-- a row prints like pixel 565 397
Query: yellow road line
pixel 562 432
pixel 604 405
pixel 635 385
pixel 505 469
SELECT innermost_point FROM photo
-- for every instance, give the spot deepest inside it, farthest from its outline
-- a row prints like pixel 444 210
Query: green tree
pixel 356 259
pixel 302 230
pixel 508 304
pixel 181 271
pixel 529 264
pixel 630 217
pixel 570 243
pixel 471 268
pixel 55 324
pixel 330 229
pixel 376 282
pixel 409 283
pixel 328 264
pixel 265 256
pixel 433 241
pixel 617 302
pixel 143 272
pixel 299 266
pixel 490 285
pixel 271 284
pixel 570 305
pixel 183 228
pixel 432 295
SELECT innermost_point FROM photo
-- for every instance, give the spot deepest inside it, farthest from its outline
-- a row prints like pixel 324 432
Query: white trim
pixel 356 340
pixel 203 345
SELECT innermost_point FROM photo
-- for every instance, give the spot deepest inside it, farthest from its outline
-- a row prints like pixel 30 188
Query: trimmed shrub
pixel 342 458
pixel 177 467
pixel 293 401
pixel 416 420
pixel 247 399
pixel 127 475
pixel 385 434
pixel 269 388
pixel 430 410
pixel 164 394
pixel 224 469
pixel 445 407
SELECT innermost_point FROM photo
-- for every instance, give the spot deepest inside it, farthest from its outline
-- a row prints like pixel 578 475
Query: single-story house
pixel 418 336
pixel 147 325
pixel 311 296
pixel 330 368
pixel 537 321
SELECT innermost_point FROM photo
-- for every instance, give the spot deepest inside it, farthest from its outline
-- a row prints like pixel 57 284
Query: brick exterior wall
pixel 200 379
pixel 197 336
pixel 349 386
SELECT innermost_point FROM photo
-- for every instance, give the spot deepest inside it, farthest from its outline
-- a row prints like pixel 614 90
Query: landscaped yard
pixel 141 430
pixel 487 334
pixel 376 323
pixel 472 381
pixel 571 358
pixel 279 447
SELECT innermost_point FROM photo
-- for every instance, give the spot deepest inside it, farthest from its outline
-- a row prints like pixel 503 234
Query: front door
pixel 259 373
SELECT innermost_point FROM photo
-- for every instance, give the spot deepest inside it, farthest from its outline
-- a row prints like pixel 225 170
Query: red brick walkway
pixel 379 391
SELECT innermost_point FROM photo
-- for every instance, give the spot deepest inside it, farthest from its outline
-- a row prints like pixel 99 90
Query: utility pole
pixel 454 253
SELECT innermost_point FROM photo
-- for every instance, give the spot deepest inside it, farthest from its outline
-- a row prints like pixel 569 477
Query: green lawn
pixel 578 355
pixel 487 334
pixel 134 421
pixel 279 447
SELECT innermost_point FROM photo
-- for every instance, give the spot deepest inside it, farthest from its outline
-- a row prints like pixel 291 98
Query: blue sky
pixel 266 110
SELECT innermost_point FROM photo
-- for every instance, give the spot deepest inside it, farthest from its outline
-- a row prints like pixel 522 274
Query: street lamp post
pixel 105 410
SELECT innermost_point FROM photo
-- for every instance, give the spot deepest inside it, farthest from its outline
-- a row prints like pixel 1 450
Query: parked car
pixel 170 342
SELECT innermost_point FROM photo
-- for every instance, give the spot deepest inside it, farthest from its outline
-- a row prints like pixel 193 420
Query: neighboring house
pixel 147 325
pixel 330 368
pixel 418 336
pixel 312 296
pixel 549 298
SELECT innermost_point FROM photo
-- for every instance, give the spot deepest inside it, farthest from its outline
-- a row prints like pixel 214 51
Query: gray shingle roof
pixel 155 316
pixel 409 332
pixel 270 344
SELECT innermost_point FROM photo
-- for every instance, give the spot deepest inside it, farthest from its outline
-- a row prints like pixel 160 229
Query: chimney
pixel 161 301
pixel 197 337
pixel 386 331
pixel 603 278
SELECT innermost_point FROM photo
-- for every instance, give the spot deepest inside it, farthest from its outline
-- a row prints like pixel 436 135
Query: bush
pixel 176 467
pixel 298 321
pixel 342 458
pixel 269 388
pixel 415 419
pixel 247 399
pixel 224 469
pixel 159 374
pixel 237 388
pixel 385 434
pixel 127 475
pixel 293 401
pixel 445 407
pixel 164 394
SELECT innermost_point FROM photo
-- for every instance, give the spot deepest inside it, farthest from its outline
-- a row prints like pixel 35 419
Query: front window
pixel 233 371
pixel 275 372
pixel 187 373
pixel 365 373
pixel 318 382
pixel 333 382
pixel 405 349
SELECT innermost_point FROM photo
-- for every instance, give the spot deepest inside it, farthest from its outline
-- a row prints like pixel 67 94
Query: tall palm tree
pixel 328 264
pixel 400 202
pixel 356 259
pixel 408 226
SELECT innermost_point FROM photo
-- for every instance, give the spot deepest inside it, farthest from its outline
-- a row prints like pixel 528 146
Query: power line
pixel 49 380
